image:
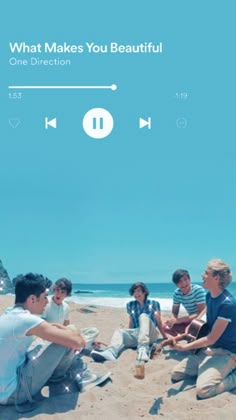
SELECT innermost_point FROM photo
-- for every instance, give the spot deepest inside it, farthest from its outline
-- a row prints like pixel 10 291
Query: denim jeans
pixel 51 363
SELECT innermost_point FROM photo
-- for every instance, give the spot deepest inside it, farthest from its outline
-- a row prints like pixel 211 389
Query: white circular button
pixel 98 123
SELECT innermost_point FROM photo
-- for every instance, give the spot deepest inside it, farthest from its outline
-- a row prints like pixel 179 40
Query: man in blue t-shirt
pixel 191 296
pixel 215 364
pixel 142 331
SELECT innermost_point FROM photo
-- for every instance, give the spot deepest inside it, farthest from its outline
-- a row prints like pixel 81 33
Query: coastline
pixel 126 397
pixel 116 303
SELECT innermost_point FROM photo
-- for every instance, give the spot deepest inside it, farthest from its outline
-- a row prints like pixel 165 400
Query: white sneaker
pixel 88 380
pixel 102 355
pixel 143 355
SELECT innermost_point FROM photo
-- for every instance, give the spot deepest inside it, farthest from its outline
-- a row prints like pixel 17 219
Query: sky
pixel 140 203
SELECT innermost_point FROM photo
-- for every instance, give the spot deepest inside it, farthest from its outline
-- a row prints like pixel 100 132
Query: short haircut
pixel 142 286
pixel 63 284
pixel 178 274
pixel 219 267
pixel 30 284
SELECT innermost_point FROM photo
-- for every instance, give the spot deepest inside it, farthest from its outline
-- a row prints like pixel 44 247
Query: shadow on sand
pixel 182 386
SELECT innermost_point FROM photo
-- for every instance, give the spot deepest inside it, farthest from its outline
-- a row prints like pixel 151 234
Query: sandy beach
pixel 125 396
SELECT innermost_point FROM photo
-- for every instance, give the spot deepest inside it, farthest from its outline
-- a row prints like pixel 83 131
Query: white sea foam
pixel 166 304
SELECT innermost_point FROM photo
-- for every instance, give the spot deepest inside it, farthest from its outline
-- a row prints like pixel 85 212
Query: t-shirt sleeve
pixel 176 300
pixel 25 322
pixel 200 295
pixel 226 311
pixel 156 306
pixel 128 308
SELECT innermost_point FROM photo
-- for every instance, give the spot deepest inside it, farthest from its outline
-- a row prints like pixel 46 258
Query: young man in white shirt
pixel 57 311
pixel 22 376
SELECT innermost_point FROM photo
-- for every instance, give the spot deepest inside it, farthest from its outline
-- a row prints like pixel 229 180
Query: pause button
pixel 98 123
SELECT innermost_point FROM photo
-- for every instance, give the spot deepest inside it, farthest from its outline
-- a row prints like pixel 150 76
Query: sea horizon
pixel 116 295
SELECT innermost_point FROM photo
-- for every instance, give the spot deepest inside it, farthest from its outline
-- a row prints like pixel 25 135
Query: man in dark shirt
pixel 215 364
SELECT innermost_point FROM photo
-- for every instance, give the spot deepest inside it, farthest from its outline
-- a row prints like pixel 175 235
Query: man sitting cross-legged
pixel 57 311
pixel 144 322
pixel 214 365
pixel 23 375
pixel 193 299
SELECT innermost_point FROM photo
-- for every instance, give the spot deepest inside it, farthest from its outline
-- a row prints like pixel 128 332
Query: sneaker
pixel 67 386
pixel 230 381
pixel 102 355
pixel 88 380
pixel 26 407
pixel 143 355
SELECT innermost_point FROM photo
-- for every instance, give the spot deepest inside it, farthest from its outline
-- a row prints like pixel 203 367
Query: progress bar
pixel 112 87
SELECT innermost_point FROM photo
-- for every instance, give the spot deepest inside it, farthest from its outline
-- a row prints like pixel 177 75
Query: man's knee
pixel 212 389
pixel 206 391
pixel 118 334
pixel 143 316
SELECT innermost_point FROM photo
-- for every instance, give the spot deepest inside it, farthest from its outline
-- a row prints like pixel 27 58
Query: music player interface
pixel 117 145
pixel 117 173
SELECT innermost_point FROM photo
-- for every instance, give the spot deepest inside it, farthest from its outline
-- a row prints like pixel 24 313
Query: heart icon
pixel 14 122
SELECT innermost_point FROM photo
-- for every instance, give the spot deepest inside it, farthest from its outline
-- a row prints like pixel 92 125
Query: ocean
pixel 117 295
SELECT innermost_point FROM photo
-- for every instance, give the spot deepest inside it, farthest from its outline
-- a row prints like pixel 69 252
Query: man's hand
pixel 170 322
pixel 99 344
pixel 179 346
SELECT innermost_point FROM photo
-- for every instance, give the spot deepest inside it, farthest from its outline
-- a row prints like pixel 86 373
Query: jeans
pixel 50 364
pixel 144 336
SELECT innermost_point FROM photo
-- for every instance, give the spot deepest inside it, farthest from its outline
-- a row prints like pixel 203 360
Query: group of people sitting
pixel 26 367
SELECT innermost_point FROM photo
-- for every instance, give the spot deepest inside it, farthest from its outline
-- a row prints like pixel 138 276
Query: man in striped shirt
pixel 193 299
pixel 214 364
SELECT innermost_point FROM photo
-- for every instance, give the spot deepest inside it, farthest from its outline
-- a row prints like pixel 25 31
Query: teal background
pixel 140 203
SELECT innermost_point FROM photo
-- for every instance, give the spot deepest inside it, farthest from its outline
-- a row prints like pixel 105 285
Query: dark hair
pixel 30 284
pixel 142 286
pixel 178 274
pixel 64 284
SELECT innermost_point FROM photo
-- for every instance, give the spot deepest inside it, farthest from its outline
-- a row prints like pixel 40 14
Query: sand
pixel 125 396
